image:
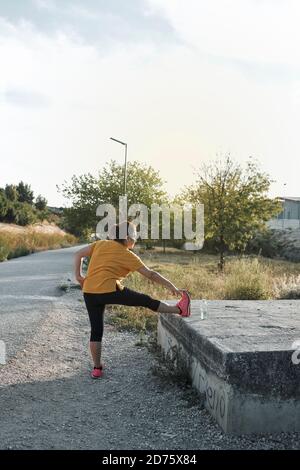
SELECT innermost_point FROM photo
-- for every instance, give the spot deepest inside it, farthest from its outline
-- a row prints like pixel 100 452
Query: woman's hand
pixel 176 291
pixel 80 280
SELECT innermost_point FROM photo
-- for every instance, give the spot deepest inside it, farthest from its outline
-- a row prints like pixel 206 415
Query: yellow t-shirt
pixel 109 263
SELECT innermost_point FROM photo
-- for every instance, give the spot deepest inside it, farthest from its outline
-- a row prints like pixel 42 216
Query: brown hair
pixel 130 231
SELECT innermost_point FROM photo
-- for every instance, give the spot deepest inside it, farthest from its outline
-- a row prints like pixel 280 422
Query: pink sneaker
pixel 184 304
pixel 97 373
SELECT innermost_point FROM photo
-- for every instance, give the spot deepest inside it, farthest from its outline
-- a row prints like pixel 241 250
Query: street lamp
pixel 125 166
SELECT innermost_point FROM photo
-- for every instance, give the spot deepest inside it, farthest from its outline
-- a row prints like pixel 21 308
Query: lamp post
pixel 125 165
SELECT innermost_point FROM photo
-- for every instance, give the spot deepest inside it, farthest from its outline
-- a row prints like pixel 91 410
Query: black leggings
pixel 95 304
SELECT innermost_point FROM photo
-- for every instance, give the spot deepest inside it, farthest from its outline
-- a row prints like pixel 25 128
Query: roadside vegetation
pixel 247 278
pixel 18 205
pixel 27 224
pixel 13 245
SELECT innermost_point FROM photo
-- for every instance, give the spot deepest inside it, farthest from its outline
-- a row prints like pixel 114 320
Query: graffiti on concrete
pixel 215 395
pixel 216 400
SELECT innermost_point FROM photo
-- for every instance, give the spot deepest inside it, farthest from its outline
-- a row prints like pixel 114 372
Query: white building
pixel 289 218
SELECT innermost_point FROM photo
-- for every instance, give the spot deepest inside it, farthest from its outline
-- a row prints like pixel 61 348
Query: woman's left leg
pixel 137 299
pixel 165 308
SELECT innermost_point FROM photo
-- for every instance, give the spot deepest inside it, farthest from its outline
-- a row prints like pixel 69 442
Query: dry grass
pixel 13 245
pixel 287 287
pixel 244 278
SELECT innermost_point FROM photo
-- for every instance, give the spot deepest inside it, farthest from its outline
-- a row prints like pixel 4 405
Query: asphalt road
pixel 29 286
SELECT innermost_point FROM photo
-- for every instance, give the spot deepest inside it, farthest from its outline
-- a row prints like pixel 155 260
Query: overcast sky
pixel 179 80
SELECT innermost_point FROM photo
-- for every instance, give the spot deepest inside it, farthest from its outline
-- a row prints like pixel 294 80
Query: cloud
pixel 96 22
pixel 262 31
pixel 48 5
pixel 24 98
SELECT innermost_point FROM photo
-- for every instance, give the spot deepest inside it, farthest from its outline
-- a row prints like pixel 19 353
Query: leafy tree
pixel 235 201
pixel 11 192
pixel 87 192
pixel 40 203
pixel 3 205
pixel 10 216
pixel 16 205
pixel 25 193
pixel 24 214
pixel 20 213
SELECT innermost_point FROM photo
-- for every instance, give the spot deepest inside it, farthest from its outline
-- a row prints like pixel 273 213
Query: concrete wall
pixel 216 391
pixel 239 360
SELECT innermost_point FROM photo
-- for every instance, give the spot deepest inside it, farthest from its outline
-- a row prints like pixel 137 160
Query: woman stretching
pixel 110 261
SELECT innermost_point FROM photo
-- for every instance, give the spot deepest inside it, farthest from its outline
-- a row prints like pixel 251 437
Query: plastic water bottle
pixel 203 309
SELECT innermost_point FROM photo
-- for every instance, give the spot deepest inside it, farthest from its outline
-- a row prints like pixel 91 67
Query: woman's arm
pixel 83 253
pixel 159 279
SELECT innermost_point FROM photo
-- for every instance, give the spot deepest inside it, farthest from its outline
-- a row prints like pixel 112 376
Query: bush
pixel 4 250
pixel 41 203
pixel 25 214
pixel 11 192
pixel 16 206
pixel 3 206
pixel 10 215
pixel 20 214
pixel 248 279
pixel 25 193
pixel 287 287
pixel 19 251
pixel 267 244
pixel 42 215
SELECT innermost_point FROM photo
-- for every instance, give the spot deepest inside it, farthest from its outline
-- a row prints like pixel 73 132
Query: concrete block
pixel 242 356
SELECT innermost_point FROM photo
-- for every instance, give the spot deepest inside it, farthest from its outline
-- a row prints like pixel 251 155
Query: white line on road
pixel 28 297
pixel 38 277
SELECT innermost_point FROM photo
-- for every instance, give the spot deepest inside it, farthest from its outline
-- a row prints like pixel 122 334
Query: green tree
pixel 3 205
pixel 25 193
pixel 40 203
pixel 235 201
pixel 86 192
pixel 24 214
pixel 20 213
pixel 10 216
pixel 11 192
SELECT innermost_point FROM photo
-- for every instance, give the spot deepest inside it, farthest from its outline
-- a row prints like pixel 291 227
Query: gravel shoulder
pixel 48 400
